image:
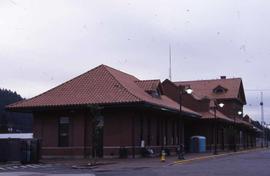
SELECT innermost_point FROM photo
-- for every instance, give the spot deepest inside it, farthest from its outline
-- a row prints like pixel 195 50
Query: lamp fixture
pixel 221 105
pixel 189 90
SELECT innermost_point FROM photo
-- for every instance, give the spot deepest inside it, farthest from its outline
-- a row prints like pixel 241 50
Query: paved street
pixel 248 164
pixel 44 170
pixel 245 164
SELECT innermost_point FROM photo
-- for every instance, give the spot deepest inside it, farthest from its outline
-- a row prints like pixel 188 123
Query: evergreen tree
pixel 19 122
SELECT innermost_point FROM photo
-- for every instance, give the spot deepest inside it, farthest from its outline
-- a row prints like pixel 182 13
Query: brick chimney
pixel 222 77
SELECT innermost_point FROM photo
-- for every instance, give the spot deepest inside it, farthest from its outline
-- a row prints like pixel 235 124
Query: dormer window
pixel 154 93
pixel 220 90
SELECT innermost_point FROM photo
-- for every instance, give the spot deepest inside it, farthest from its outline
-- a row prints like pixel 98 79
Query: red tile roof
pixel 148 85
pixel 210 115
pixel 204 88
pixel 243 122
pixel 101 85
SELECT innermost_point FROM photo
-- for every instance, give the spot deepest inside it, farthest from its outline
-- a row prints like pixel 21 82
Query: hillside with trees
pixel 10 121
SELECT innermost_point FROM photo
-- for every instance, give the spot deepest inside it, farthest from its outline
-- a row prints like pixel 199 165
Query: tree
pixel 20 122
pixel 3 123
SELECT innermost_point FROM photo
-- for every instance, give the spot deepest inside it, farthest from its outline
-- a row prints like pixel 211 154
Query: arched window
pixel 220 90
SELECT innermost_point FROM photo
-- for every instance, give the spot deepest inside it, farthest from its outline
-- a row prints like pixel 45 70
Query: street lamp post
pixel 264 135
pixel 235 130
pixel 215 130
pixel 215 124
pixel 182 90
pixel 267 134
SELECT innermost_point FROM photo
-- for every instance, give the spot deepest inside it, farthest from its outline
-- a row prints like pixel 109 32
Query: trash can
pixel 25 151
pixel 34 151
pixel 197 144
pixel 123 152
pixel 167 151
pixel 30 151
pixel 4 150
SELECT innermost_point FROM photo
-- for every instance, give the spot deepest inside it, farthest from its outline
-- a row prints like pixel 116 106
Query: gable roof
pixel 101 85
pixel 204 88
pixel 167 81
pixel 247 118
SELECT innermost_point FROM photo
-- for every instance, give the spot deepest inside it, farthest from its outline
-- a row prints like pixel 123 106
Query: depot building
pixel 105 110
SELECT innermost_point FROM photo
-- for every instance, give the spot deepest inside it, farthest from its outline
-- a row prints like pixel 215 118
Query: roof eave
pixel 31 109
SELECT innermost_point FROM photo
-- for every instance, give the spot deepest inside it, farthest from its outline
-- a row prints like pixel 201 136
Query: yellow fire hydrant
pixel 162 156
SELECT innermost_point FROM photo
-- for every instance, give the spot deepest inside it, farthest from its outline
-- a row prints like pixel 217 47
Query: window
pixel 64 124
pixel 220 90
pixel 154 93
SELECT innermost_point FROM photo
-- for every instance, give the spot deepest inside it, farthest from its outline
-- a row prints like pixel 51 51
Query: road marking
pixel 9 168
pixel 213 156
pixel 46 165
pixel 34 166
pixel 31 165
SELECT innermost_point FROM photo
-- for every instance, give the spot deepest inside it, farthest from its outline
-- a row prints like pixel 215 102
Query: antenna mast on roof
pixel 170 63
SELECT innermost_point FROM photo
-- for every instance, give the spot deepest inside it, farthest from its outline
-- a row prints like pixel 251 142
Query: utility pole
pixel 262 119
pixel 170 63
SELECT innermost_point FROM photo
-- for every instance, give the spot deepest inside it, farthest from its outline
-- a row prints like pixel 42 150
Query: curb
pixel 215 156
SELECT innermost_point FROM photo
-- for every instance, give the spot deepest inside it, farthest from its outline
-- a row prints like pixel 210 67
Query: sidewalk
pixel 140 163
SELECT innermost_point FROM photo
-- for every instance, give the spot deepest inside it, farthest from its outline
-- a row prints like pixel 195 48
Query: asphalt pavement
pixel 256 163
pixel 251 163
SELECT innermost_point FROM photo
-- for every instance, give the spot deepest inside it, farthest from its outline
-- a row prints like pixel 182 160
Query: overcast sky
pixel 46 42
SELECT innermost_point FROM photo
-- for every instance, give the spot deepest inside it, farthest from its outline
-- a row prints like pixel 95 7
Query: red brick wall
pixel 45 127
pixel 122 128
pixel 119 132
pixel 77 130
pixel 231 108
pixel 170 90
pixel 117 128
pixel 198 105
pixel 187 100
